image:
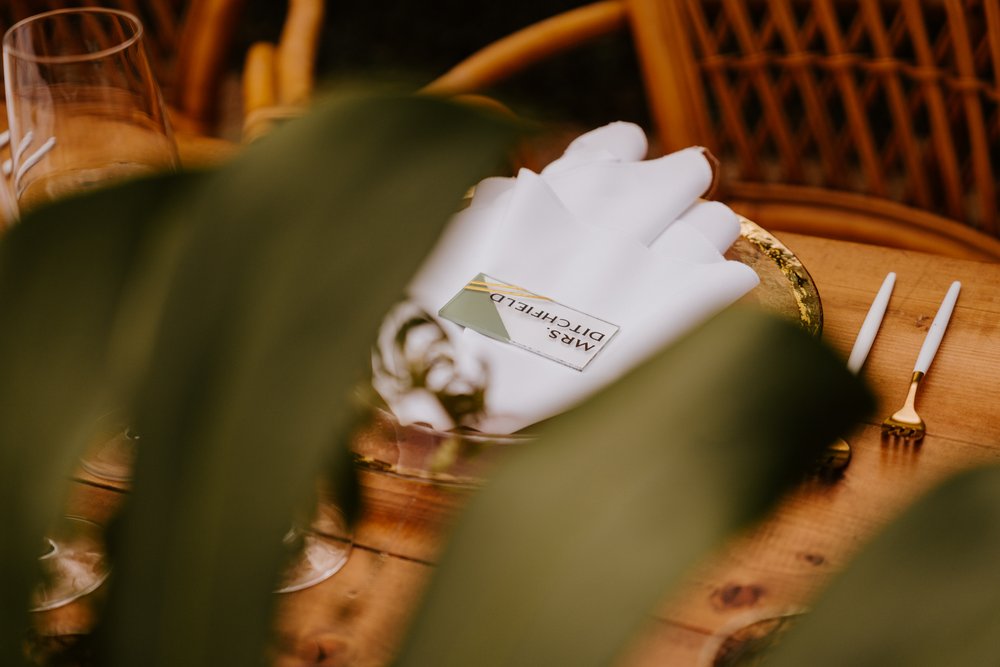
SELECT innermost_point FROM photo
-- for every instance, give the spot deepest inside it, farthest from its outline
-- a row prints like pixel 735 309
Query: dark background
pixel 410 43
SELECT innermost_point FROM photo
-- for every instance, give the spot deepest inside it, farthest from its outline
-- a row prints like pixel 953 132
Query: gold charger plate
pixel 786 288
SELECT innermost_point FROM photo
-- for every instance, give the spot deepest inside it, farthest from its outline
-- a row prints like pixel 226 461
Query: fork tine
pixel 905 424
pixel 903 435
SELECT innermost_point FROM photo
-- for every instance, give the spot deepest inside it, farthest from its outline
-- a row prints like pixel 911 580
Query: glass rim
pixel 481 437
pixel 130 18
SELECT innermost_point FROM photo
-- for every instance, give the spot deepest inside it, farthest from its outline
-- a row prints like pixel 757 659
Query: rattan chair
pixel 866 120
pixel 278 79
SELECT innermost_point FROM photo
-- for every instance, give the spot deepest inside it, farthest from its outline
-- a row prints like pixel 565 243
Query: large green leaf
pixel 925 592
pixel 560 557
pixel 296 252
pixel 63 271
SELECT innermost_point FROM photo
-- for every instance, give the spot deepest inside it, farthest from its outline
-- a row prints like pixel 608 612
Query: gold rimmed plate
pixel 786 288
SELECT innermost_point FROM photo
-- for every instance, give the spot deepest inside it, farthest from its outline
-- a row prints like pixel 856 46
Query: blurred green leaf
pixel 63 272
pixel 926 591
pixel 296 251
pixel 559 559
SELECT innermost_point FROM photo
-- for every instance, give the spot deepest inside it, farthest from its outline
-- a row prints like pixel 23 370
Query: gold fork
pixel 905 425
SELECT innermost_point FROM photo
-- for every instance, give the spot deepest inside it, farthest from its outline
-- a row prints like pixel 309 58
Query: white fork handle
pixel 869 329
pixel 936 332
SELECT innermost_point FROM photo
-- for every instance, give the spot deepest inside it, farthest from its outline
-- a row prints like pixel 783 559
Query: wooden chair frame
pixel 678 88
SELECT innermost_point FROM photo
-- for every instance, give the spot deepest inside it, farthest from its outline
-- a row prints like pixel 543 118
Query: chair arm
pixel 530 45
pixel 208 32
pixel 295 60
pixel 278 79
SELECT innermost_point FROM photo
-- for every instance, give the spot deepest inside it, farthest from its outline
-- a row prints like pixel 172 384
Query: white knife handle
pixel 936 332
pixel 869 329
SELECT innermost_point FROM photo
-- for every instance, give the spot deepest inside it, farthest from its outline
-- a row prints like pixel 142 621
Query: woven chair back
pixel 891 99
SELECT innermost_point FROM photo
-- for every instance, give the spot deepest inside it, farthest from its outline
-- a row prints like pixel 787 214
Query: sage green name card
pixel 536 323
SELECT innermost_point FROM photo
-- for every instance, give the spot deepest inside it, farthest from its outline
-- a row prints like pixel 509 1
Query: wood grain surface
pixel 777 568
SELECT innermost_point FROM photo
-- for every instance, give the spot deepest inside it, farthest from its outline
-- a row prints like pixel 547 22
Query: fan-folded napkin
pixel 599 231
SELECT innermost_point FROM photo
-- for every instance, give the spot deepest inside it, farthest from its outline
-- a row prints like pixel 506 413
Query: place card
pixel 533 322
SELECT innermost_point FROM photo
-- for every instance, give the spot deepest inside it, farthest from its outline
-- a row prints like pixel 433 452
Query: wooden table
pixel 358 616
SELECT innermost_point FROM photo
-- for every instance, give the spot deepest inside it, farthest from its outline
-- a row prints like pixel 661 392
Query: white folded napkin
pixel 598 231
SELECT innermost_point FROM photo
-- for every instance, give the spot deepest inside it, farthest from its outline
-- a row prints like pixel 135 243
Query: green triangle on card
pixel 475 309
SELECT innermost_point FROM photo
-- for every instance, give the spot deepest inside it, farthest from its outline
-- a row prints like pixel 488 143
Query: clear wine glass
pixel 83 110
pixel 319 547
pixel 72 561
pixel 111 451
pixel 83 105
pixel 7 209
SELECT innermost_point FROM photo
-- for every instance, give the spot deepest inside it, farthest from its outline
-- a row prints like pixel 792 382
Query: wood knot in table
pixel 750 645
pixel 813 559
pixel 736 596
pixel 322 650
